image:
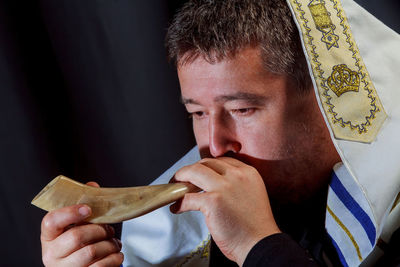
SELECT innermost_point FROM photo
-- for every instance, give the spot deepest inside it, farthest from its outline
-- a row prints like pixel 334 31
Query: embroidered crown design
pixel 343 80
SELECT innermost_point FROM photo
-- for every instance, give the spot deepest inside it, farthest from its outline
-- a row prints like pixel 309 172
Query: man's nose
pixel 222 137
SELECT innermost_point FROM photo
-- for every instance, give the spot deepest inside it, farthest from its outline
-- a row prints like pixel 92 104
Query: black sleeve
pixel 278 250
pixel 392 252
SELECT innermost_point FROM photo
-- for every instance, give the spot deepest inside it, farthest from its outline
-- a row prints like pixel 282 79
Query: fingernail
pixel 84 211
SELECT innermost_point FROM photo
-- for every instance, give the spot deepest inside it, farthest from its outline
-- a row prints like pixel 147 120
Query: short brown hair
pixel 216 29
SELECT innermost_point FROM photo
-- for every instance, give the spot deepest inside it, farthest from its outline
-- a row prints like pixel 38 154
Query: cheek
pixel 264 141
pixel 201 134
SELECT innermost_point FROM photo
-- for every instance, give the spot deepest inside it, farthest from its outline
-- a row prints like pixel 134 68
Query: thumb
pixel 55 222
pixel 190 202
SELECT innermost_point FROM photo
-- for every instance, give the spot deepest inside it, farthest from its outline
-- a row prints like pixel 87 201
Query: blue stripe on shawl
pixel 354 208
pixel 339 252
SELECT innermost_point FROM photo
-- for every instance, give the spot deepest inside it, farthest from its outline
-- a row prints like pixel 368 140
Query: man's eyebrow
pixel 188 101
pixel 255 99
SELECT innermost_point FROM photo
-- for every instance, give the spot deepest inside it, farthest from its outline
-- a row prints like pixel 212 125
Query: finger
pixel 200 175
pixel 190 202
pixel 217 165
pixel 80 236
pixel 93 252
pixel 94 184
pixel 175 207
pixel 54 223
pixel 233 162
pixel 113 260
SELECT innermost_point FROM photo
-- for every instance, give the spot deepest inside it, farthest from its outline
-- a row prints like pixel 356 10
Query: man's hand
pixel 68 242
pixel 234 202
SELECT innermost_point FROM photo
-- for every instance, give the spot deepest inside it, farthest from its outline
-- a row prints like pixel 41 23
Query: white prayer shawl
pixel 362 193
pixel 161 238
pixel 364 187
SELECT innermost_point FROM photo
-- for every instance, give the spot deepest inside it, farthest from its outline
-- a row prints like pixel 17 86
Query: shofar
pixel 109 205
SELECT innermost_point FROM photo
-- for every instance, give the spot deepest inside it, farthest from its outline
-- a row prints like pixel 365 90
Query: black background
pixel 86 91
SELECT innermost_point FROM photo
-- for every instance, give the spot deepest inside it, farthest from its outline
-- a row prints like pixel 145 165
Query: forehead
pixel 243 73
pixel 245 62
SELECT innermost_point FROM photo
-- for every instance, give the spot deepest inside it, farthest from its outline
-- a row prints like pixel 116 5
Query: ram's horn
pixel 110 205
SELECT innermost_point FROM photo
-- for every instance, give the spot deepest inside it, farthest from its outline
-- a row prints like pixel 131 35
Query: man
pixel 267 154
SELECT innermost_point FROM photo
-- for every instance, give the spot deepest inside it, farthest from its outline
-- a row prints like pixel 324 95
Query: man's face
pixel 238 106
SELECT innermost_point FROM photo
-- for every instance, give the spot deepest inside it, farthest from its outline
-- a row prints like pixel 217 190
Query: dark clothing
pixel 281 250
pixel 217 259
pixel 391 257
pixel 278 250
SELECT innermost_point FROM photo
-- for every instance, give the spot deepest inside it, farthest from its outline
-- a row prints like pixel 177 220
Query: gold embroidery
pixel 338 221
pixel 320 15
pixel 343 80
pixel 355 117
pixel 324 23
pixel 202 250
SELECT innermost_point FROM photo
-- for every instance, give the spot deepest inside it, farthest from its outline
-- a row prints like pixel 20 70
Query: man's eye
pixel 197 114
pixel 243 111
